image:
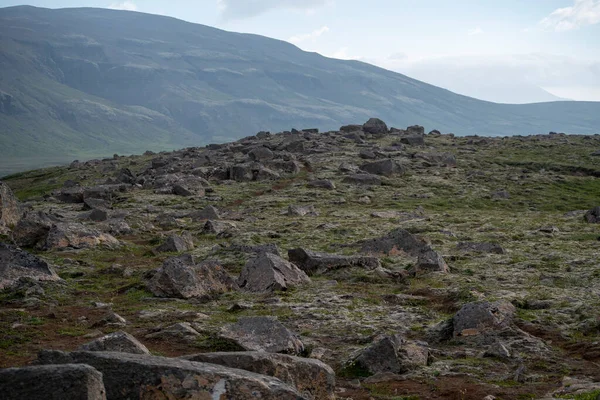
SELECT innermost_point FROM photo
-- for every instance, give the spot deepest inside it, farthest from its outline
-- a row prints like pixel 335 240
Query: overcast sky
pixel 499 50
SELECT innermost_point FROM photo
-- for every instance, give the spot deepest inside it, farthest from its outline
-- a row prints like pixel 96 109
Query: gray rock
pixel 75 235
pixel 208 212
pixel 480 247
pixel 33 229
pixel 269 272
pixel 256 249
pixel 481 317
pixel 263 334
pixel 260 154
pixel 308 375
pixel 181 277
pixel 181 331
pixel 10 211
pixel 429 261
pixel 415 130
pixel 317 263
pixel 397 240
pixel 592 216
pixel 385 167
pixel 413 140
pixel 437 159
pixel 351 128
pixel 301 211
pixel 391 354
pixel 52 382
pixel 367 154
pixel 321 184
pixel 362 179
pixel 98 215
pixel 73 195
pixel 16 263
pixel 219 227
pixel 175 243
pixel 117 341
pixel 375 126
pixel 135 376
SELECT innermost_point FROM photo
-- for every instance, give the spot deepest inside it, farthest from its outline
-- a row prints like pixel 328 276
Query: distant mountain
pixel 79 83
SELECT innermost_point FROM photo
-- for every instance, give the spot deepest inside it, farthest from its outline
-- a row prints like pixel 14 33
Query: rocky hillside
pixel 83 83
pixel 363 263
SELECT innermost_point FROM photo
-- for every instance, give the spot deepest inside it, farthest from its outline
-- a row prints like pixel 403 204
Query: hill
pixel 81 83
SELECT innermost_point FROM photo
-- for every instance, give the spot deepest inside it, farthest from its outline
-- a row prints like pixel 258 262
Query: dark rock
pixel 256 249
pixel 10 211
pixel 175 243
pixel 91 204
pixel 16 263
pixel 117 341
pixel 367 154
pixel 592 216
pixel 391 354
pixel 74 235
pixel 429 261
pixel 263 334
pixel 415 130
pixel 261 154
pixel 136 376
pixel 310 130
pixel 362 179
pixel 413 140
pixel 437 159
pixel 208 212
pixel 351 128
pixel 33 229
pixel 182 277
pixel 397 240
pixel 375 126
pixel 181 190
pixel 269 272
pixel 384 167
pixel 263 135
pixel 73 194
pixel 125 176
pixel 308 375
pixel 321 184
pixel 501 194
pixel 52 382
pixel 481 317
pixel 482 247
pixel 218 227
pixel 317 263
pixel 98 215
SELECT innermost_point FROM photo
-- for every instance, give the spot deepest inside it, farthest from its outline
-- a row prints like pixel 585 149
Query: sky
pixel 499 50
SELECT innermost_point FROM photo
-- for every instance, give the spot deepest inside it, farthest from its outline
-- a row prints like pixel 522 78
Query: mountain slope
pixel 91 82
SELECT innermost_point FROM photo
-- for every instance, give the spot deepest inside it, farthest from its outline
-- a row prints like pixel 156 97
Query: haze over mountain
pixel 80 83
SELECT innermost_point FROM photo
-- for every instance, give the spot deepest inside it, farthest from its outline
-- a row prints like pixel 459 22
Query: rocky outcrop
pixel 263 334
pixel 313 262
pixel 181 277
pixel 10 212
pixel 52 382
pixel 481 317
pixel 16 263
pixel 75 235
pixel 118 341
pixel 268 272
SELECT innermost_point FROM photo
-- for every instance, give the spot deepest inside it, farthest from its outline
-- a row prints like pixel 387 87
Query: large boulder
pixel 176 243
pixel 482 317
pixel 52 382
pixel 181 277
pixel 375 126
pixel 391 354
pixel 593 216
pixel 308 375
pixel 397 240
pixel 117 341
pixel 10 212
pixel 268 272
pixel 32 230
pixel 208 212
pixel 136 376
pixel 16 263
pixel 385 167
pixel 262 334
pixel 428 261
pixel 313 262
pixel 78 236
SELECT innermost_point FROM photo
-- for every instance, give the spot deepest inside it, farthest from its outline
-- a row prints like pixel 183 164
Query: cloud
pixel 309 36
pixel 239 9
pixel 125 5
pixel 398 56
pixel 581 13
pixel 476 31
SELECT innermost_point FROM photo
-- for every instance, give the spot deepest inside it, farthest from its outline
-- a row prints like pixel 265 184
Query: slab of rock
pixel 75 235
pixel 313 262
pixel 391 354
pixel 16 263
pixel 301 211
pixel 135 376
pixel 308 375
pixel 362 179
pixel 52 382
pixel 385 167
pixel 592 216
pixel 263 334
pixel 176 243
pixel 208 212
pixel 397 240
pixel 480 247
pixel 117 341
pixel 10 211
pixel 375 126
pixel 181 277
pixel 269 272
pixel 321 184
pixel 413 140
pixel 481 317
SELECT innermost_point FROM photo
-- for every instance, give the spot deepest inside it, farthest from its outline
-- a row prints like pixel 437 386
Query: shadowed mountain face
pixel 79 83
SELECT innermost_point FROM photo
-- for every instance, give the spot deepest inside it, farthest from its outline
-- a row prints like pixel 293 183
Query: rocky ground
pixel 417 266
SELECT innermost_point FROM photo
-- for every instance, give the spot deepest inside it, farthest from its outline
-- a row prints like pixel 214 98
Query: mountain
pixel 81 83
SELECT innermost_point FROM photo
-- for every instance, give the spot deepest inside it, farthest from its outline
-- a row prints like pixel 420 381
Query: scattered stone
pixel 429 261
pixel 480 317
pixel 181 277
pixel 166 315
pixel 219 227
pixel 209 212
pixel 98 215
pixel 52 382
pixel 437 159
pixel 16 264
pixel 32 230
pixel 318 263
pixel 367 154
pixel 413 140
pixel 178 244
pixel 385 167
pixel 321 184
pixel 117 341
pixel 397 240
pixel 268 272
pixel 75 235
pixel 375 126
pixel 260 154
pixel 263 334
pixel 301 211
pixel 482 247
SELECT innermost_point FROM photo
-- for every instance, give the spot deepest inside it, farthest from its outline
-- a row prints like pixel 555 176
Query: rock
pixel 308 375
pixel 592 216
pixel 73 195
pixel 178 244
pixel 52 382
pixel 181 277
pixel 10 211
pixel 480 317
pixel 33 229
pixel 110 319
pixel 391 354
pixel 318 263
pixel 98 215
pixel 501 194
pixel 480 247
pixel 125 176
pixel 263 334
pixel 117 341
pixel 256 249
pixel 75 235
pixel 384 167
pixel 181 190
pixel 397 240
pixel 367 154
pixel 208 212
pixel 375 126
pixel 219 227
pixel 301 211
pixel 136 376
pixel 351 128
pixel 347 167
pixel 413 140
pixel 321 184
pixel 415 130
pixel 429 261
pixel 269 272
pixel 497 350
pixel 437 159
pixel 362 179
pixel 181 331
pixel 260 154
pixel 16 263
